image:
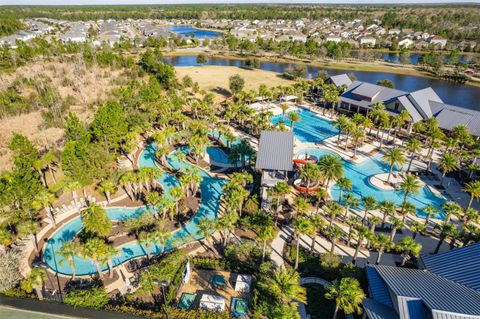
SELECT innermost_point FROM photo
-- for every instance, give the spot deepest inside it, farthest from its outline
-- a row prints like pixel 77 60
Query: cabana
pixel 212 303
pixel 243 283
pixel 262 106
pixel 288 98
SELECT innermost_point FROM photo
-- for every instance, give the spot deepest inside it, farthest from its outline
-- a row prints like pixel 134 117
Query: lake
pixel 450 92
pixel 188 31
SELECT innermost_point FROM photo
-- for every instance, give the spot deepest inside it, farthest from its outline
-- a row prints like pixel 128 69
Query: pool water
pixel 311 128
pixel 239 308
pixel 217 155
pixel 360 175
pixel 186 301
pixel 218 281
pixel 211 189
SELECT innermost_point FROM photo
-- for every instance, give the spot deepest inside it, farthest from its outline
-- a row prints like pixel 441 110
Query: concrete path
pixel 278 244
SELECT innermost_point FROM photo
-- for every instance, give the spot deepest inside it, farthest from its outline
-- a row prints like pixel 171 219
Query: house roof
pixel 436 293
pixel 460 265
pixel 275 151
pixel 422 98
pixel 374 92
pixel 415 115
pixel 341 79
pixel 449 116
pixel 376 310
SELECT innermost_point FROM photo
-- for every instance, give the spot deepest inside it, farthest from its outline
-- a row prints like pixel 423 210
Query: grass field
pixel 216 78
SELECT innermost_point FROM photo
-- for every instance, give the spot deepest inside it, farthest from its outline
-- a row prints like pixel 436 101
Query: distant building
pixel 370 41
pixel 438 41
pixel 405 43
pixel 333 38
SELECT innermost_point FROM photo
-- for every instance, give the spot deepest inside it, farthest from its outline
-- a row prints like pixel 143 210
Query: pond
pixel 189 31
pixel 450 92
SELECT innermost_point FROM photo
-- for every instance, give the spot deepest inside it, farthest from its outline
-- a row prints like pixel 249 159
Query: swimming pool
pixel 211 192
pixel 187 300
pixel 217 155
pixel 239 308
pixel 311 127
pixel 360 175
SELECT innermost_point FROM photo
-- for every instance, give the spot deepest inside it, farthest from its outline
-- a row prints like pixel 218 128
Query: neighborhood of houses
pixel 357 33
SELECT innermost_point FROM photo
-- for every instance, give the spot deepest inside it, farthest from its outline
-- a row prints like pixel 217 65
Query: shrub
pixel 95 297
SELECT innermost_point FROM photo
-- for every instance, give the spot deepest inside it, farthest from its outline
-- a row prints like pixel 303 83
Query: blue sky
pixel 84 2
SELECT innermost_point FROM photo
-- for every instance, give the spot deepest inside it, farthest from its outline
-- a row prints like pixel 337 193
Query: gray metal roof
pixel 376 310
pixel 375 93
pixel 461 265
pixel 421 99
pixel 449 116
pixel 275 151
pixel 437 293
pixel 415 115
pixel 341 79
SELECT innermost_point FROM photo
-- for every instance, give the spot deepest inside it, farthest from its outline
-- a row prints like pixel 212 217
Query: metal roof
pixel 275 151
pixel 376 310
pixel 421 99
pixel 378 288
pixel 436 292
pixel 415 115
pixel 449 116
pixel 341 79
pixel 461 265
pixel 375 93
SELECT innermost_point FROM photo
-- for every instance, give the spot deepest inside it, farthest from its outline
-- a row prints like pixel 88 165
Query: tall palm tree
pixel 362 233
pixel 334 233
pixel 176 193
pixel 72 186
pixel 280 190
pixel 413 147
pixel 407 208
pixel 393 157
pixel 206 227
pixel 353 222
pixel 301 226
pixel 395 224
pixel 429 212
pixel 381 243
pixel 161 235
pixel 410 185
pixel 293 117
pixel 265 234
pixel 409 247
pixel 344 183
pixel 311 174
pixel 358 137
pixel 107 188
pixel 417 228
pixel 126 181
pixel 98 252
pixel 95 220
pixel 472 188
pixel 331 167
pixel 332 210
pixel 322 195
pixel 44 200
pixel 348 295
pixel 226 224
pixel 285 283
pixel 319 224
pixel 351 201
pixel 29 228
pixel 448 163
pixel 146 239
pixel 35 281
pixel 445 231
pixel 68 251
pixel 369 203
pixel 451 208
pixel 388 208
pixel 301 205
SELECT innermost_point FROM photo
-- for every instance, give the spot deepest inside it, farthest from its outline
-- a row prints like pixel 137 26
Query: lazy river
pixel 211 189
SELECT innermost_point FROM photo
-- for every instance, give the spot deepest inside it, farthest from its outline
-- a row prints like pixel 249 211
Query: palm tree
pixel 331 167
pixel 362 233
pixel 266 233
pixel 161 235
pixel 68 251
pixel 407 208
pixel 374 221
pixel 29 228
pixel 332 210
pixel 319 224
pixel 393 157
pixel 348 295
pixel 280 190
pixel 99 253
pixel 381 243
pixel 322 195
pixel 358 137
pixel 146 239
pixel 44 200
pixel 429 212
pixel 293 117
pixel 416 228
pixel 227 224
pixel 285 283
pixel 344 184
pixel 35 281
pixel 451 208
pixel 369 203
pixel 176 193
pixel 445 231
pixel 410 185
pixel 409 247
pixel 72 186
pixel 126 181
pixel 473 188
pixel 351 201
pixel 352 222
pixel 413 147
pixel 311 174
pixel 301 226
pixel 153 199
pixel 334 233
pixel 301 205
pixel 448 163
pixel 388 208
pixel 206 227
pixel 395 225
pixel 107 188
pixel 95 220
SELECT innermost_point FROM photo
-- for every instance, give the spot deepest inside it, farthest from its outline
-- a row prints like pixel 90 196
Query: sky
pixel 90 2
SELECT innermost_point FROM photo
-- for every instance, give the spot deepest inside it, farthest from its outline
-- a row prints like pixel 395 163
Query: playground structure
pixel 299 183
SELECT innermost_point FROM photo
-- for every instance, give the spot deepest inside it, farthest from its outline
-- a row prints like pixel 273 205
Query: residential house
pixel 368 41
pixel 405 43
pixel 438 41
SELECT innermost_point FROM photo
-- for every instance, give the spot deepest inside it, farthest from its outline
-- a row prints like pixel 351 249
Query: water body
pixel 395 57
pixel 450 92
pixel 189 31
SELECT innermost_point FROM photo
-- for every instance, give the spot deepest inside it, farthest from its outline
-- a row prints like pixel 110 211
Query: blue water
pixel 310 128
pixel 360 175
pixel 188 31
pixel 217 155
pixel 211 189
pixel 239 308
pixel 448 91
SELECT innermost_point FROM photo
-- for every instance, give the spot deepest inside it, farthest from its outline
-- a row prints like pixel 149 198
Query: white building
pixel 405 43
pixel 370 41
